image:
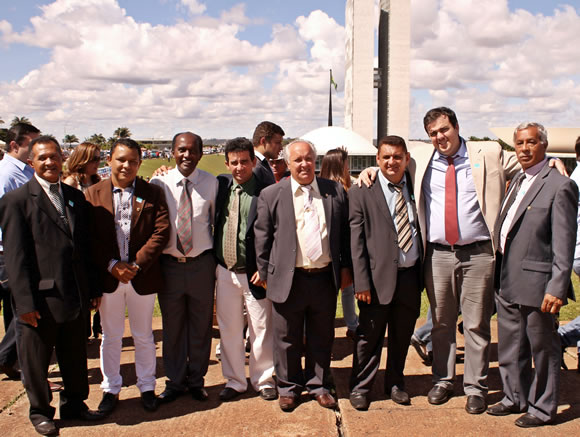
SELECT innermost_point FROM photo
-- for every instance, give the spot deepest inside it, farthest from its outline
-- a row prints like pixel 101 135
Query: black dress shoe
pixel 47 427
pixel 475 404
pixel 86 415
pixel 199 393
pixel 400 396
pixel 228 394
pixel 10 372
pixel 439 395
pixel 169 395
pixel 108 403
pixel 359 401
pixel 288 403
pixel 530 421
pixel 269 394
pixel 500 409
pixel 419 347
pixel 149 400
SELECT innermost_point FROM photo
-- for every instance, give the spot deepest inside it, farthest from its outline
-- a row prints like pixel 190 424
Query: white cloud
pixel 195 7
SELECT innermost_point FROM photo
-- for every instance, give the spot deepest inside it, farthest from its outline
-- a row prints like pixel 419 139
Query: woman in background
pixel 81 173
pixel 335 167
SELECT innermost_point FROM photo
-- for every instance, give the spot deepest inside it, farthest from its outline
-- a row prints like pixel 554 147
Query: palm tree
pixel 98 139
pixel 68 139
pixel 122 132
pixel 17 120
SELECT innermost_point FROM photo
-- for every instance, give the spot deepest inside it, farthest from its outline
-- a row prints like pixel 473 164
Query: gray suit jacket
pixel 539 248
pixel 374 242
pixel 275 235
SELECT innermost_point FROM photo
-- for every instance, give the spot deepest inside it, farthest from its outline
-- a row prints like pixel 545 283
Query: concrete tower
pixel 358 85
pixel 394 68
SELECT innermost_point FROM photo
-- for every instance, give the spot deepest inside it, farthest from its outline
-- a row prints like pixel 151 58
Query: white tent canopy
pixel 331 137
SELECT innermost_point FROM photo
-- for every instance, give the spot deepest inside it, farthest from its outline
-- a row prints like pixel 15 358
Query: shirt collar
pixel 385 182
pixel 259 155
pixel 535 169
pixel 17 162
pixel 129 189
pixel 178 177
pixel 246 186
pixel 296 186
pixel 45 184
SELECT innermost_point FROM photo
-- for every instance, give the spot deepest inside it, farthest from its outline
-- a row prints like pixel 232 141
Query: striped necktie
pixel 402 220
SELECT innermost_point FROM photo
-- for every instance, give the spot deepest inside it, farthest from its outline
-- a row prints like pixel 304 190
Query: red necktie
pixel 451 227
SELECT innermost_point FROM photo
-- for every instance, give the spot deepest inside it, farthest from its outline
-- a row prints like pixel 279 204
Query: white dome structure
pixel 331 137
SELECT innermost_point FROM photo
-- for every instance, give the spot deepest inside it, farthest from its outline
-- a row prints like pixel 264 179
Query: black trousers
pixel 399 316
pixel 311 305
pixel 36 346
pixel 8 354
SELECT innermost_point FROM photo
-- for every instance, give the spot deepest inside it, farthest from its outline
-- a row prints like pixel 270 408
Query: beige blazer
pixel 491 167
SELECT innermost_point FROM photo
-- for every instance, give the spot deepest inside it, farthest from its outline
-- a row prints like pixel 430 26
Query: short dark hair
pixel 577 147
pixel 435 113
pixel 127 142
pixel 266 129
pixel 44 139
pixel 392 140
pixel 239 144
pixel 196 138
pixel 18 132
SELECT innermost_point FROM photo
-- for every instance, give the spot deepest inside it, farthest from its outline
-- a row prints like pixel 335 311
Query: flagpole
pixel 330 99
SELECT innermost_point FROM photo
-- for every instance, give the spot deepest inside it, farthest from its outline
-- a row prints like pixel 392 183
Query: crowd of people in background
pixel 271 243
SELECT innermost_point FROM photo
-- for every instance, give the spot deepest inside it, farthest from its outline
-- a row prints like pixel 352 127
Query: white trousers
pixel 140 309
pixel 232 291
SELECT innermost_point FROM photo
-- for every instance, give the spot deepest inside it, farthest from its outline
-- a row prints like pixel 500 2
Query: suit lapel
pixel 531 194
pixel 477 164
pixel 70 207
pixel 138 202
pixel 379 198
pixel 44 204
pixel 286 206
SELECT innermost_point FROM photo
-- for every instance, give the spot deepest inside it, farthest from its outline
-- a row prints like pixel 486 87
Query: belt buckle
pixel 181 259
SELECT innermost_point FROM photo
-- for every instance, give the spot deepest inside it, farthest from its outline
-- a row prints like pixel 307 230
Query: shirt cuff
pixel 112 264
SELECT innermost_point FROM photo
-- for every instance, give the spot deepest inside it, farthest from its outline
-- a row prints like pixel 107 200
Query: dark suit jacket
pixel 275 234
pixel 48 265
pixel 150 232
pixel 225 183
pixel 539 248
pixel 263 171
pixel 374 242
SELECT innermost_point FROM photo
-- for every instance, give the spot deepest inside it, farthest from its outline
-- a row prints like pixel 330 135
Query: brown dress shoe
pixel 288 403
pixel 326 400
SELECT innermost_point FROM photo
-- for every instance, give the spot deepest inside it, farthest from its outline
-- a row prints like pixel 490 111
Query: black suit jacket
pixel 374 242
pixel 225 183
pixel 263 171
pixel 275 230
pixel 48 263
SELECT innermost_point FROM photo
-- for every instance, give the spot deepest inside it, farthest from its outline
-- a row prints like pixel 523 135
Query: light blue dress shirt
pixel 470 220
pixel 410 258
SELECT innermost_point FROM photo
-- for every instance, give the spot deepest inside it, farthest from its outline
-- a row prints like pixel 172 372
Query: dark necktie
pixel 58 202
pixel 451 226
pixel 231 237
pixel 184 234
pixel 402 220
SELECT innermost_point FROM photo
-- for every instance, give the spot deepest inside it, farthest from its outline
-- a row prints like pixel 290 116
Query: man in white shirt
pixel 189 268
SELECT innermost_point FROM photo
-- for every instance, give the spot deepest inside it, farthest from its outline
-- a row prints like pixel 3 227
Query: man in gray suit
pixel 386 253
pixel 302 252
pixel 535 241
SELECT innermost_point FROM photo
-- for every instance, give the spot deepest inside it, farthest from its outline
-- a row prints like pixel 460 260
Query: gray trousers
pixel 526 332
pixel 187 312
pixel 461 278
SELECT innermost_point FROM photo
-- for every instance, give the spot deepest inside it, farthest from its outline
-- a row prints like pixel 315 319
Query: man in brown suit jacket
pixel 130 230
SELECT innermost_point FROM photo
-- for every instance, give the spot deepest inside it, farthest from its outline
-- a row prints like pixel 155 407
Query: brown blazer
pixel 149 234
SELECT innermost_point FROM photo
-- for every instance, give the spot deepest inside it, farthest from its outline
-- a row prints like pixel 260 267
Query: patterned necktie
pixel 184 212
pixel 58 202
pixel 231 237
pixel 451 226
pixel 402 220
pixel 311 226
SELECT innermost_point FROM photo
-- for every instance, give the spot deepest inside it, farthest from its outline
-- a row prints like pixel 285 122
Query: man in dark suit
pixel 130 230
pixel 267 141
pixel 386 252
pixel 303 255
pixel 46 245
pixel 535 240
pixel 234 247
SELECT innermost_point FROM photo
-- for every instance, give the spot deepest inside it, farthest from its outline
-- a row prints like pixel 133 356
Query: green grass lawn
pixel 213 164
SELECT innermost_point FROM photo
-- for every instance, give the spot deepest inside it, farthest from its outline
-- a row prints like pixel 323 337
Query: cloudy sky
pixel 219 67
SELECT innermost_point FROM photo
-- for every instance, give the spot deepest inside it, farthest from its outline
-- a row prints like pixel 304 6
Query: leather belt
pixel 186 259
pixel 457 247
pixel 308 271
pixel 234 269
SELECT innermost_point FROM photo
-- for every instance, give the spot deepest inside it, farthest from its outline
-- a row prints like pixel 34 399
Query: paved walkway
pixel 251 416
